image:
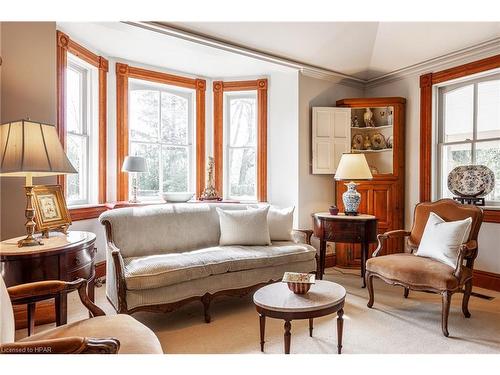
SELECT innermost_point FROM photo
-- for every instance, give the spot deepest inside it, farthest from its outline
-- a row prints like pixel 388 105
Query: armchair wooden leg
pixel 407 291
pixel 446 311
pixel 369 284
pixel 465 301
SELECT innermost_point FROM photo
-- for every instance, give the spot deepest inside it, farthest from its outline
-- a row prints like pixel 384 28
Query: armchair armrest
pixel 381 238
pixel 42 290
pixel 305 234
pixel 465 251
pixel 65 345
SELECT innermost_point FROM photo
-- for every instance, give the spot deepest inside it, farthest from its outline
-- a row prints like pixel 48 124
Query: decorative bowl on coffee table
pixel 299 283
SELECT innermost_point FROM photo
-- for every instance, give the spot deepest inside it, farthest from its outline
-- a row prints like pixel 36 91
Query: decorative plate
pixel 471 180
pixel 357 142
pixel 389 141
pixel 378 141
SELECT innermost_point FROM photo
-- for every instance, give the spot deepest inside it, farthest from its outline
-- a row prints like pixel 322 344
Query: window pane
pixel 458 114
pixel 74 101
pixel 174 119
pixel 242 122
pixel 488 116
pixel 488 153
pixel 175 169
pixel 242 176
pixel 453 156
pixel 75 183
pixel 148 182
pixel 144 114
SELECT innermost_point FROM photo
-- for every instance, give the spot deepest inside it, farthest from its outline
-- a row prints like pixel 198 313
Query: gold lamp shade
pixel 31 149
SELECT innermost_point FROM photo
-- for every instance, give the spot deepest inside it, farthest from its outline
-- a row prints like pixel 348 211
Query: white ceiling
pixel 119 40
pixel 362 49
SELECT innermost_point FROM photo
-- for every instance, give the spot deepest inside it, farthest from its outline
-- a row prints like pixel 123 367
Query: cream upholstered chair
pixel 425 274
pixel 98 335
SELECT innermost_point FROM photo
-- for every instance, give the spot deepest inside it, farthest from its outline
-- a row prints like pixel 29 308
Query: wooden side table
pixel 341 228
pixel 61 257
pixel 277 301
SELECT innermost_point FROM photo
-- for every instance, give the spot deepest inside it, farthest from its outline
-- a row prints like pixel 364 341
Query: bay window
pixel 161 130
pixel 240 178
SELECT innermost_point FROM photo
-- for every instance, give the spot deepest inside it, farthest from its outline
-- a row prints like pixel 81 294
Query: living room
pixel 296 185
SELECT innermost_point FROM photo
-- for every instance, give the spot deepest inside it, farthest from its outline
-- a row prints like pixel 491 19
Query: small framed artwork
pixel 51 212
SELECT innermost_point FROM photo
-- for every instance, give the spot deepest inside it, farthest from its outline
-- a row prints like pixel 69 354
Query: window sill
pixel 491 214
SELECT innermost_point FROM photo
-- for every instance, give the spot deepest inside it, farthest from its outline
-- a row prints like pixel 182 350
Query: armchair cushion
pixel 134 337
pixel 417 271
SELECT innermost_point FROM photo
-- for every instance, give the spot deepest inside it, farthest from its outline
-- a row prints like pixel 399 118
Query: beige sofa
pixel 162 257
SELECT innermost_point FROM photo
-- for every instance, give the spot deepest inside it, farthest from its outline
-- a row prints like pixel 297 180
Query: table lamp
pixel 134 164
pixel 352 167
pixel 31 149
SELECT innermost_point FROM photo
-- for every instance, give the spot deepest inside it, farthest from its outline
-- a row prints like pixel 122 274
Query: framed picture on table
pixel 51 211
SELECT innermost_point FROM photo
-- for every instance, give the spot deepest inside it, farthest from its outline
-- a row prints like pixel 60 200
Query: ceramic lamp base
pixel 351 199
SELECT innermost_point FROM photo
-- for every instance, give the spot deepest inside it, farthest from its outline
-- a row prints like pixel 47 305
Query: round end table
pixel 277 301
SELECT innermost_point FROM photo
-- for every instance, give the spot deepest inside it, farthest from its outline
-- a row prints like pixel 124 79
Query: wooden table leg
pixel 262 321
pixel 288 335
pixel 91 292
pixel 31 317
pixel 61 309
pixel 340 329
pixel 310 327
pixel 364 256
pixel 322 259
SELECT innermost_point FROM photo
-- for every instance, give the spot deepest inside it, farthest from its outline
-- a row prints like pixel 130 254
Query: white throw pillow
pixel 245 227
pixel 280 222
pixel 442 239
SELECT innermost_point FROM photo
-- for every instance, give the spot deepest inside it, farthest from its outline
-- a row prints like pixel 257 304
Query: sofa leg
pixel 465 301
pixel 206 299
pixel 369 284
pixel 446 311
pixel 407 291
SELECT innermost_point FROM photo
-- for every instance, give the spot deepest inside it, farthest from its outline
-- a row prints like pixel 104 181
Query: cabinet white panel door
pixel 331 137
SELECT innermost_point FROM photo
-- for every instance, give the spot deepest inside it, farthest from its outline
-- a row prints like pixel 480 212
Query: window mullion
pixel 474 125
pixel 160 146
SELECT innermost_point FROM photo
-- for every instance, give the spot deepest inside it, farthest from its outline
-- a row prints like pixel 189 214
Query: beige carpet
pixel 394 325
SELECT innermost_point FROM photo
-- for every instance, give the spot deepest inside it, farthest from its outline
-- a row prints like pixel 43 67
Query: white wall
pixel 409 88
pixel 316 192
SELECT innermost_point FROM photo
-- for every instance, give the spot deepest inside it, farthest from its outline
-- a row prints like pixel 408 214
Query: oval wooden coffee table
pixel 277 301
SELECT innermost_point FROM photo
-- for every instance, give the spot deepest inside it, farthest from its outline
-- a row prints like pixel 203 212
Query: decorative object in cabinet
pixel 368 117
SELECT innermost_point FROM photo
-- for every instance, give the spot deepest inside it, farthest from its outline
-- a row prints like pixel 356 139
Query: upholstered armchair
pixel 425 274
pixel 98 335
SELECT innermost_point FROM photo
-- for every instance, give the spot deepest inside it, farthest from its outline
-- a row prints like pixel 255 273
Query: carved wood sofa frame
pixel 205 299
pixel 467 253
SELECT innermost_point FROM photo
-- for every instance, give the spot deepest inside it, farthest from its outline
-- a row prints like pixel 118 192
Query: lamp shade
pixel 134 164
pixel 353 167
pixel 32 148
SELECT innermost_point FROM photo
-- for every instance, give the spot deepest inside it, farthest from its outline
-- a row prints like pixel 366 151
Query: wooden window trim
pixel 65 45
pixel 219 87
pixel 426 83
pixel 123 73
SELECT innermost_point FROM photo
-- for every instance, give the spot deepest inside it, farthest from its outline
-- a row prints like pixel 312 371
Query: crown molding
pixel 485 49
pixel 306 69
pixel 465 55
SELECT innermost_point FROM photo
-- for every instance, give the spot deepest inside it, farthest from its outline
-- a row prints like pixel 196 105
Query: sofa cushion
pixel 134 337
pixel 417 271
pixel 244 227
pixel 160 270
pixel 166 228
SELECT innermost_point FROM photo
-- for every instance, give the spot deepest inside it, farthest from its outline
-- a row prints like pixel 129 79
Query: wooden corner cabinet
pixel 377 129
